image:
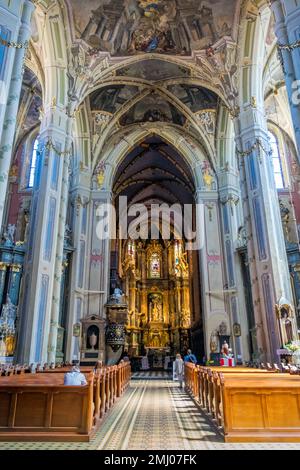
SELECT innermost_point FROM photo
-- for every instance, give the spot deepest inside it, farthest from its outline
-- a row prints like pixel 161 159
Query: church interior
pixel 116 117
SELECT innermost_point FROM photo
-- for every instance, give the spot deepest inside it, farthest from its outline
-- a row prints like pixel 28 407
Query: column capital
pixel 206 196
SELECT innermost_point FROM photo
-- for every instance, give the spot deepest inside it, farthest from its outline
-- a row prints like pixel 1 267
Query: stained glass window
pixel 131 248
pixel 155 265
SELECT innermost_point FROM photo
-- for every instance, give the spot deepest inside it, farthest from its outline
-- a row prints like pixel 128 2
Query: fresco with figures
pixel 127 27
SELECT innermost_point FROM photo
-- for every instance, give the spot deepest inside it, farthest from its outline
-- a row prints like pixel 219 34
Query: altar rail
pixel 39 407
pixel 248 405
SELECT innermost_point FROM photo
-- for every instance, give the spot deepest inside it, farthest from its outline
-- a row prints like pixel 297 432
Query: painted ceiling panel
pixel 128 27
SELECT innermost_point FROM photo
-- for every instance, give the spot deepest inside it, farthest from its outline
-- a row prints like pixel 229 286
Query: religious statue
pixel 68 235
pixel 225 349
pixel 214 341
pixel 117 297
pixel 9 235
pixel 156 308
pixel 223 329
pixel 8 317
pixel 7 328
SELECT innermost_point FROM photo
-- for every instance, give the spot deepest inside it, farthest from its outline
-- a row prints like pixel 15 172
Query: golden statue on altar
pixel 156 308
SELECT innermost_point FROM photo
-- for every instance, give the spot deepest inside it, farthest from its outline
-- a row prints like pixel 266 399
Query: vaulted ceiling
pixel 154 173
pixel 128 27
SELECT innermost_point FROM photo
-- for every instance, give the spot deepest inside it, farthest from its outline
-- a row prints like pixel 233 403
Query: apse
pixel 157 275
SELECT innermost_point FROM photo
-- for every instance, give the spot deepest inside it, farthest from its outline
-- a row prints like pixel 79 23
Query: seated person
pixel 75 377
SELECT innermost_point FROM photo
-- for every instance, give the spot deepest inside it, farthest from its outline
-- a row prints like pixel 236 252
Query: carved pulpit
pixel 117 318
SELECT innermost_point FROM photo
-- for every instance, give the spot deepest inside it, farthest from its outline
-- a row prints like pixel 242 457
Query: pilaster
pixel 266 248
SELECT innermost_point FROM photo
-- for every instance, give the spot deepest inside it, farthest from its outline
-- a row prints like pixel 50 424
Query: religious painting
pixel 153 108
pixel 127 27
pixel 236 328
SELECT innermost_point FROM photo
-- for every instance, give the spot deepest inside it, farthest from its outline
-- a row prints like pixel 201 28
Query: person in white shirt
pixel 179 369
pixel 75 377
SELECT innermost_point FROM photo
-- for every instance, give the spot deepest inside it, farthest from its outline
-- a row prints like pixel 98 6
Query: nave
pixel 153 414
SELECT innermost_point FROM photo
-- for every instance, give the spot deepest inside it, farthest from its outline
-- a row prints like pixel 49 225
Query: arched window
pixel 154 265
pixel 131 248
pixel 33 164
pixel 276 160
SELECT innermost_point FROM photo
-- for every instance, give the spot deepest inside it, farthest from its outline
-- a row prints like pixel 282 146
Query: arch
pixel 169 97
pixel 191 151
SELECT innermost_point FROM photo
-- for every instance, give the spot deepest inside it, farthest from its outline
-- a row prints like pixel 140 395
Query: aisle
pixel 157 415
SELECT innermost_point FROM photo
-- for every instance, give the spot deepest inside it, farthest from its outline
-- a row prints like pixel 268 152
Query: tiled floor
pixel 152 415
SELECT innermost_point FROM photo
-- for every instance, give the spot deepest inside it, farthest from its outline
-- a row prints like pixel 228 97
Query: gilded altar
pixel 155 277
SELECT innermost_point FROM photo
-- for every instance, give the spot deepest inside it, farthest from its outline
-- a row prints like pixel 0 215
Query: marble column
pixel 211 263
pixel 43 241
pixel 79 220
pixel 230 198
pixel 57 283
pixel 268 265
pixel 287 29
pixel 14 89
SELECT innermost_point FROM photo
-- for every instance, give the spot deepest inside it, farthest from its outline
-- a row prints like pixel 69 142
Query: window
pixel 33 164
pixel 131 249
pixel 155 265
pixel 276 160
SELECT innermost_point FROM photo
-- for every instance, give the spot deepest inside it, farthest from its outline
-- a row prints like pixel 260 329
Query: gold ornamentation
pixel 3 266
pixel 16 268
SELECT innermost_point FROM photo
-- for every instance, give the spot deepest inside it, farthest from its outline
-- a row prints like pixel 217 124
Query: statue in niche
pixel 285 217
pixel 8 316
pixel 9 235
pixel 214 341
pixel 68 235
pixel 223 329
pixel 207 175
pixel 156 308
pixel 287 324
pixel 185 319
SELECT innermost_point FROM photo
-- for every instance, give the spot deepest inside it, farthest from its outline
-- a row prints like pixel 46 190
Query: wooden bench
pixel 45 409
pixel 235 397
pixel 261 408
pixel 39 407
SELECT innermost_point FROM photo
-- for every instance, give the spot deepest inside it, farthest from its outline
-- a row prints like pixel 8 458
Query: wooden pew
pixel 261 408
pixel 41 408
pixel 234 398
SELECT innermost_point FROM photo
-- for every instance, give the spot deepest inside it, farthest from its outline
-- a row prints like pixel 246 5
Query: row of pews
pixel 39 407
pixel 248 405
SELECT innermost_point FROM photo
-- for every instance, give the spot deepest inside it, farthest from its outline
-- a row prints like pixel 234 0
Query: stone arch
pixel 252 54
pixel 169 98
pixel 51 30
pixel 192 152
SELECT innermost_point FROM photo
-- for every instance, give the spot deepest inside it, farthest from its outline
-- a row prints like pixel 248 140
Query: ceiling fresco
pixel 128 27
pixel 195 97
pixel 111 98
pixel 153 108
pixel 154 70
